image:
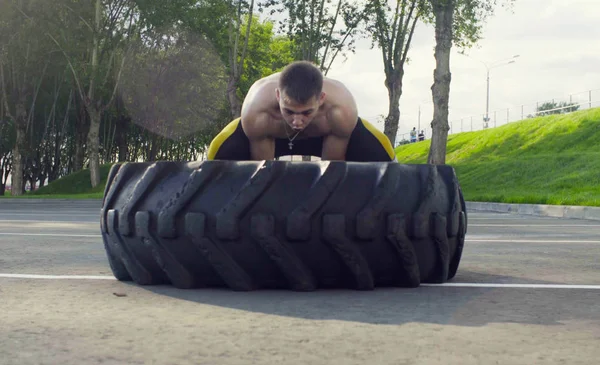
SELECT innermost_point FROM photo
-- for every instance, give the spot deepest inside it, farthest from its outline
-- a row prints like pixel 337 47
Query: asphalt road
pixel 48 315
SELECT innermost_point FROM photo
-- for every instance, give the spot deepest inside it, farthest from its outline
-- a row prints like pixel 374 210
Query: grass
pixel 73 186
pixel 544 160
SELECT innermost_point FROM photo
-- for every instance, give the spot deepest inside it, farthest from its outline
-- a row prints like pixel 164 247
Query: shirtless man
pixel 300 112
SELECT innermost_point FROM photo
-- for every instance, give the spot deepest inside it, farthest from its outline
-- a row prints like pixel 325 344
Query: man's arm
pixel 336 143
pixel 262 144
pixel 262 148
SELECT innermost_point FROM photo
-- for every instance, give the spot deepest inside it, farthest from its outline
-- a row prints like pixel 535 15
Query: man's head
pixel 300 93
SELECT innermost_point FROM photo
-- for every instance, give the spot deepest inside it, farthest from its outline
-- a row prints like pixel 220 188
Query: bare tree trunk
pixel 121 137
pixel 81 131
pixel 394 35
pixel 121 129
pixel 33 167
pixel 79 155
pixel 5 166
pixel 93 146
pixel 394 85
pixel 236 68
pixel 235 105
pixel 444 10
pixel 55 167
pixel 153 148
pixel 18 181
pixel 19 151
pixel 20 118
pixel 5 170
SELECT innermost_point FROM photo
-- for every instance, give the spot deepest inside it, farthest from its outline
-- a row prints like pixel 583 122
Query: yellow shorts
pixel 366 144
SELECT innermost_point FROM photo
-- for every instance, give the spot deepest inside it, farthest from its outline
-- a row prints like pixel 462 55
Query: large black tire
pixel 279 224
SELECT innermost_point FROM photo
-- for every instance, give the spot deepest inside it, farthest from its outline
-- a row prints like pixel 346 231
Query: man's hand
pixel 342 125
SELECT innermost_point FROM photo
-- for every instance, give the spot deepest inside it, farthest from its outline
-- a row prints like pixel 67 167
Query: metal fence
pixel 498 117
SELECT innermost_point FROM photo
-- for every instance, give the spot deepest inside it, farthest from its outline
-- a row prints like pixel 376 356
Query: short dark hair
pixel 301 80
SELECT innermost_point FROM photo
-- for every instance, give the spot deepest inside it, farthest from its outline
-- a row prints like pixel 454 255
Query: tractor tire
pixel 302 226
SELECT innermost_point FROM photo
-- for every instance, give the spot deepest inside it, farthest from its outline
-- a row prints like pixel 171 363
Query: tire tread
pixel 151 237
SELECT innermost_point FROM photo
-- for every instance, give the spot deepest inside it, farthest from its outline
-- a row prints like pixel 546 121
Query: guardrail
pixel 576 101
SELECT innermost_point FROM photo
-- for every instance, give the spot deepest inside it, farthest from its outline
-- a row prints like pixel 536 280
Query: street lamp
pixel 488 68
pixel 495 64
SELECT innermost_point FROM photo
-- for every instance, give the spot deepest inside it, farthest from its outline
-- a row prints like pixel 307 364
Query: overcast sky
pixel 558 43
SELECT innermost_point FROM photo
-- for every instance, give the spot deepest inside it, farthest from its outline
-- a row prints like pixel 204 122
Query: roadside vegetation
pixel 545 160
pixel 74 186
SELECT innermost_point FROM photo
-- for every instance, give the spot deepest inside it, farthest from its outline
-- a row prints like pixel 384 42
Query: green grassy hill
pixel 544 160
pixel 76 185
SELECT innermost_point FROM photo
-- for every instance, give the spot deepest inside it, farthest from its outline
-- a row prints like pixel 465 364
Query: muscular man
pixel 300 112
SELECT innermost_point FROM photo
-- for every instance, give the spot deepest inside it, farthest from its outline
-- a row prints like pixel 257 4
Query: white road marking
pixel 59 277
pixel 49 234
pixel 46 221
pixel 533 225
pixel 74 212
pixel 467 240
pixel 531 241
pixel 512 217
pixel 526 286
pixel 460 285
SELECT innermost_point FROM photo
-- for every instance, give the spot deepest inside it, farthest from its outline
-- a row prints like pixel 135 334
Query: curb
pixel 541 210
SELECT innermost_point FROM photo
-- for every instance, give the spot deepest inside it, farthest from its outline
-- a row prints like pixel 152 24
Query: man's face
pixel 297 115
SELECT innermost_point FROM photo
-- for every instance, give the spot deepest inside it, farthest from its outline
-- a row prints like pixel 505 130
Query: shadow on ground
pixel 395 306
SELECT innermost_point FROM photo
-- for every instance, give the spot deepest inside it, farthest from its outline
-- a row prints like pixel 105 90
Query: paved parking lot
pixel 527 292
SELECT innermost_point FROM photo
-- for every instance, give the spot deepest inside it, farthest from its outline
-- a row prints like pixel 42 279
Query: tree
pixel 457 22
pixel 267 54
pixel 24 60
pixel 317 35
pixel 237 53
pixel 552 107
pixel 111 23
pixel 443 11
pixel 393 30
pixel 230 26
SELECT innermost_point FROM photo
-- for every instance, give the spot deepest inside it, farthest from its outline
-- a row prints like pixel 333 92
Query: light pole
pixel 495 64
pixel 488 68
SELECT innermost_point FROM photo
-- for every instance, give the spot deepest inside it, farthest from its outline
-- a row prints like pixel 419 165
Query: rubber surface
pixel 250 225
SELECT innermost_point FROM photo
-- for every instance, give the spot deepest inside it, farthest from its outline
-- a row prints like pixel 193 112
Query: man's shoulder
pixel 342 113
pixel 256 113
pixel 342 119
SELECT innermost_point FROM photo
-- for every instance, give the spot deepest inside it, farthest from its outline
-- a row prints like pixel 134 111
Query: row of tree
pixel 84 83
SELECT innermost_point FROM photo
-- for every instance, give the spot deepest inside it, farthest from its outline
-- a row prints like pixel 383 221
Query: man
pixel 300 112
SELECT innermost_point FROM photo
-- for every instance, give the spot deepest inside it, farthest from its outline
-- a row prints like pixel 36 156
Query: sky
pixel 558 43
